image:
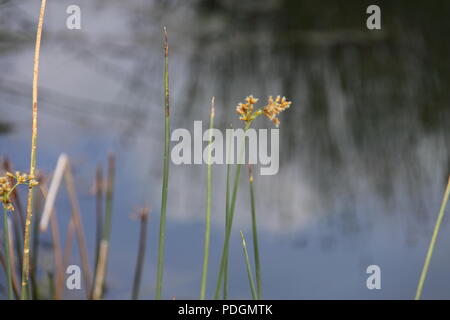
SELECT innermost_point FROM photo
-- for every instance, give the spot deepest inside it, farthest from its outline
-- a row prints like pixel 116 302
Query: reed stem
pixel 6 243
pixel 141 253
pixel 99 186
pixel 104 245
pixel 433 241
pixel 29 216
pixel 230 216
pixel 14 282
pixel 208 209
pixel 227 209
pixel 99 210
pixel 35 252
pixel 165 184
pixel 255 235
pixel 56 243
pixel 76 218
pixel 249 269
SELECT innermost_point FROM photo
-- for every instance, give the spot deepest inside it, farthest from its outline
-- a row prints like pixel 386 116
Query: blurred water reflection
pixel 364 155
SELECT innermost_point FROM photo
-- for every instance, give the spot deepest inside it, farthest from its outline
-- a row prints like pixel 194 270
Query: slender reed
pixel 107 226
pixel 51 284
pixel 227 208
pixel 49 215
pixel 165 184
pixel 208 208
pixel 76 217
pixel 249 269
pixel 56 242
pixel 230 215
pixel 99 210
pixel 6 244
pixel 68 245
pixel 143 217
pixel 14 281
pixel 58 258
pixel 35 251
pixel 29 216
pixel 52 192
pixel 255 235
pixel 99 219
pixel 433 241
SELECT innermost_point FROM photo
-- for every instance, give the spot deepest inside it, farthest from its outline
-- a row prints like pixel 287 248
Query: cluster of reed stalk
pixel 41 219
pixel 28 227
pixel 26 224
pixel 248 114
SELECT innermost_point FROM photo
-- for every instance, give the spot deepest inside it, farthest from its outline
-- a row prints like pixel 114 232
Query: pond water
pixel 364 152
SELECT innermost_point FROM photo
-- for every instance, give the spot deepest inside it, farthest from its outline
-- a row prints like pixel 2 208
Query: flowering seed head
pixel 273 108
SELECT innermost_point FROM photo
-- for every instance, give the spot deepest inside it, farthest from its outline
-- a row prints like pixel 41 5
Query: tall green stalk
pixel 143 217
pixel 227 209
pixel 102 262
pixel 98 221
pixel 226 244
pixel 34 128
pixel 165 184
pixel 255 235
pixel 249 269
pixel 35 253
pixel 433 241
pixel 6 243
pixel 208 208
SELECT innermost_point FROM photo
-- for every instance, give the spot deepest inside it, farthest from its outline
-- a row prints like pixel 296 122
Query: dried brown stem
pixel 76 217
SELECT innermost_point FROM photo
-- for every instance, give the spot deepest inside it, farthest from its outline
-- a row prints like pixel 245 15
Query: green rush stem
pixel 51 284
pixel 249 269
pixel 6 243
pixel 208 209
pixel 433 242
pixel 100 273
pixel 29 216
pixel 109 198
pixel 108 214
pixel 18 237
pixel 35 253
pixel 226 244
pixel 141 254
pixel 165 184
pixel 227 209
pixel 255 235
pixel 99 185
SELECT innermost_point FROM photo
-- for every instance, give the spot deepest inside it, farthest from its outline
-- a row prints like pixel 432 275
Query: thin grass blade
pixel 249 269
pixel 424 273
pixel 208 209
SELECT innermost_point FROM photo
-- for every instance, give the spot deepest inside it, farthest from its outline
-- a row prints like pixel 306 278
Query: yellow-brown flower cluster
pixel 246 109
pixel 6 187
pixel 273 108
